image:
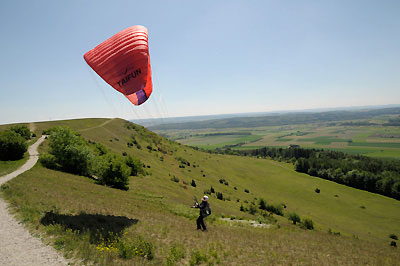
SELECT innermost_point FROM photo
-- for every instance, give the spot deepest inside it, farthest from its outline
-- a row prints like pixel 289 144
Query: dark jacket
pixel 204 208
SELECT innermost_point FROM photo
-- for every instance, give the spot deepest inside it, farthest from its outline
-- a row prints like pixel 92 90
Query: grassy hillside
pixel 156 210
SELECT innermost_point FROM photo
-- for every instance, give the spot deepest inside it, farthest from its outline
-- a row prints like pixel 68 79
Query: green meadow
pixel 351 227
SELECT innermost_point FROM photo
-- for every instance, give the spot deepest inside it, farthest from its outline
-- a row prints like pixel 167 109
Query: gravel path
pixel 17 246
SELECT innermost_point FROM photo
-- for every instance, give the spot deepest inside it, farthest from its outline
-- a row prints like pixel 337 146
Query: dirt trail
pixel 101 125
pixel 17 245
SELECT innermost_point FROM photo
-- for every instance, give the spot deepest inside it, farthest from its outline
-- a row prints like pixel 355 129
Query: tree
pixel 12 146
pixel 294 217
pixel 22 130
pixel 71 151
pixel 307 224
pixel 262 204
pixel 113 172
pixel 135 164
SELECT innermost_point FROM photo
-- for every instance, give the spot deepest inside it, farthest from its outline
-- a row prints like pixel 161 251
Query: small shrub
pixel 175 179
pixel 235 188
pixel 100 149
pixel 294 218
pixel 4 187
pixel 242 209
pixel 219 196
pixel 48 161
pixel 124 153
pixel 246 190
pixel 262 204
pixel 362 207
pixel 137 247
pixel 393 244
pixel 135 164
pixel 307 224
pixel 212 190
pixel 277 209
pixel 393 236
pixel 113 172
pixel 197 257
pixel 317 190
pixel 176 253
pixel 193 183
pixel 252 209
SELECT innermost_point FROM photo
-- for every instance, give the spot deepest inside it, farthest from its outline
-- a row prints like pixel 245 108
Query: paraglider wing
pixel 123 61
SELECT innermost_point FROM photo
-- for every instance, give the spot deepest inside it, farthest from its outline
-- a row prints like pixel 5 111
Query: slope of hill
pixel 155 215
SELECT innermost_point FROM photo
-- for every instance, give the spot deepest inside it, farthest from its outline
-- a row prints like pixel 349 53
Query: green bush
pixel 252 209
pixel 113 172
pixel 137 247
pixel 12 146
pixel 294 218
pixel 277 209
pixel 393 236
pixel 197 257
pixel 49 161
pixel 307 224
pixel 135 164
pixel 22 130
pixel 262 204
pixel 175 179
pixel 220 196
pixel 71 151
pixel 246 190
pixel 193 183
pixel 176 253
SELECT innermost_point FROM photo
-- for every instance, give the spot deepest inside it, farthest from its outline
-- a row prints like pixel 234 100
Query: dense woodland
pixel 366 173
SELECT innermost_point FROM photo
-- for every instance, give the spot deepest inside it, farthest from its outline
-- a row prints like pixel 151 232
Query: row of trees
pixel 71 153
pixel 366 173
pixel 14 143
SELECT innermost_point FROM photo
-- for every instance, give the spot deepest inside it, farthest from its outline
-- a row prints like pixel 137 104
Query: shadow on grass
pixel 100 227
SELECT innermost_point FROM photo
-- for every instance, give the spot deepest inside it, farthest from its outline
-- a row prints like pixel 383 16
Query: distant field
pixel 218 141
pixel 371 140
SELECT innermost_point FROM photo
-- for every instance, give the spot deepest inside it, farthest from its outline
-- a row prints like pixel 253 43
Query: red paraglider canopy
pixel 123 61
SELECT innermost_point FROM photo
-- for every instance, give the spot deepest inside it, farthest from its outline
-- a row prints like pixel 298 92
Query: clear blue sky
pixel 208 57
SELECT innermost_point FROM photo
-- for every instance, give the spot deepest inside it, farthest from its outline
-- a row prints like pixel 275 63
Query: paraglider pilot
pixel 205 211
